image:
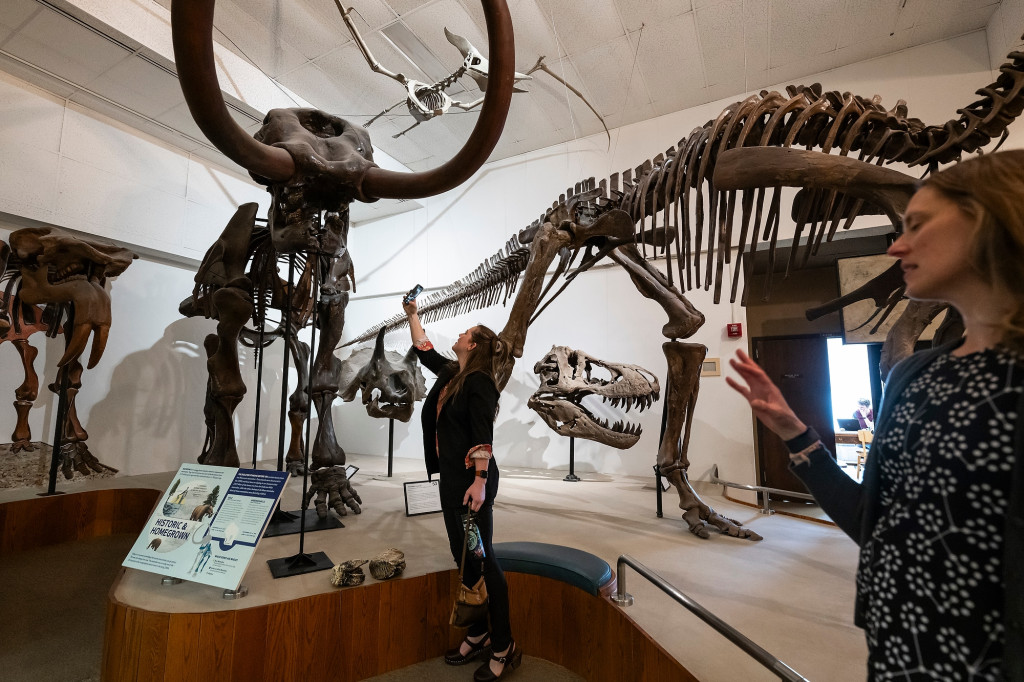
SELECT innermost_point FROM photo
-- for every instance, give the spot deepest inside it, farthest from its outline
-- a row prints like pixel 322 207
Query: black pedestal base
pixel 299 564
pixel 286 526
pixel 572 478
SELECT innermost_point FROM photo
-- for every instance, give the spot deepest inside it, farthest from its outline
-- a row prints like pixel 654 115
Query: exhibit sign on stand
pixel 207 525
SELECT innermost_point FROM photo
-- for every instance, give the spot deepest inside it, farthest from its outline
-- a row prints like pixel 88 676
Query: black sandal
pixel 455 656
pixel 511 661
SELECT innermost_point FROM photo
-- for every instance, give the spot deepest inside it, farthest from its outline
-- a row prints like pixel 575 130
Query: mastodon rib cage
pixel 493 280
pixel 665 191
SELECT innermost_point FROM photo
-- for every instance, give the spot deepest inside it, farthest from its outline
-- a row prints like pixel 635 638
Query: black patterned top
pixel 931 577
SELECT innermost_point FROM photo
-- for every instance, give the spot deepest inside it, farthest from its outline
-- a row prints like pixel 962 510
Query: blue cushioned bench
pixel 570 565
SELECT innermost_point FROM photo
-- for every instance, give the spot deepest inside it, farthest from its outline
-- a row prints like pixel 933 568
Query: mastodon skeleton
pixel 673 198
pixel 314 165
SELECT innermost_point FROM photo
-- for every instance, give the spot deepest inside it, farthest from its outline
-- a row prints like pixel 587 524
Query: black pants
pixel 497 588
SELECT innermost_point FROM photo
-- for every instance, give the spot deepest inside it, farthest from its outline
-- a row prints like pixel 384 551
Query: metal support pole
pixel 572 477
pixel 391 444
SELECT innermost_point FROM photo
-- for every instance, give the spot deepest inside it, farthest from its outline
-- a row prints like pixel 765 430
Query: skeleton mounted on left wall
pixel 313 164
pixel 55 283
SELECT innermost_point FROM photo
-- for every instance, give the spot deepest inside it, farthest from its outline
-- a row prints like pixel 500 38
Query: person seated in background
pixel 864 415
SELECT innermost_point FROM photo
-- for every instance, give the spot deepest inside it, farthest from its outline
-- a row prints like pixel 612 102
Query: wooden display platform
pixel 338 636
pixel 358 632
pixel 44 521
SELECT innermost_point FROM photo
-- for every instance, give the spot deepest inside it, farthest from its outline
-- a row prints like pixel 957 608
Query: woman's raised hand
pixel 765 398
pixel 409 306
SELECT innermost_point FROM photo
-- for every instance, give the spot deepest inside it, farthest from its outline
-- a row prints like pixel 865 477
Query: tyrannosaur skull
pixel 568 380
pixel 59 268
pixel 390 383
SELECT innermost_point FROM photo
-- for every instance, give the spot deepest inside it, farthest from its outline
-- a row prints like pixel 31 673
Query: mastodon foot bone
pixel 333 490
pixel 75 456
pixel 295 467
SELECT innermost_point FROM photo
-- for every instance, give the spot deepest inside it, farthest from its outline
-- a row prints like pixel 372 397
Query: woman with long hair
pixel 939 517
pixel 458 429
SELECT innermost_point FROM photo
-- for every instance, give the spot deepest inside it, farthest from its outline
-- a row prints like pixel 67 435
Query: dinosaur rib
pixel 674 184
pixel 678 184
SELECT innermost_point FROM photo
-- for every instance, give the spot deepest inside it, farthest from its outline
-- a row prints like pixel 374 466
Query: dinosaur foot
pixel 701 523
pixel 333 490
pixel 75 456
pixel 295 467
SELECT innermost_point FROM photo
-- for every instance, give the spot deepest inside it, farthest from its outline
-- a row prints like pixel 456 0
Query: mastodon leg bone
pixel 234 308
pixel 326 377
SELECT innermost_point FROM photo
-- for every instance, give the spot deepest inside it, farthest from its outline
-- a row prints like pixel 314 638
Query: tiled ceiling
pixel 633 59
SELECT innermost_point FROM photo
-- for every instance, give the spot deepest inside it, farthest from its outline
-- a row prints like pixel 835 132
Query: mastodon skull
pixel 389 382
pixel 56 268
pixel 575 400
pixel 331 157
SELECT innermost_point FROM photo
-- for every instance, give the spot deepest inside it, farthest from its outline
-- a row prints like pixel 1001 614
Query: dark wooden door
pixel 799 367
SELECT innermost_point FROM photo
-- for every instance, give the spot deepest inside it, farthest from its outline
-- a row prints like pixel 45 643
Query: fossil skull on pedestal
pixel 390 383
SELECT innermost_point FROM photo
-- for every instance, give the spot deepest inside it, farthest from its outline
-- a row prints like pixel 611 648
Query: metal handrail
pixel 765 499
pixel 622 598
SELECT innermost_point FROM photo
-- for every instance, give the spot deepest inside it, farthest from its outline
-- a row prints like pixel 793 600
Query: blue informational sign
pixel 208 523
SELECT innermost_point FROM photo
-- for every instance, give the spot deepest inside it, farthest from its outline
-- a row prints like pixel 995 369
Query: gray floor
pixel 54 606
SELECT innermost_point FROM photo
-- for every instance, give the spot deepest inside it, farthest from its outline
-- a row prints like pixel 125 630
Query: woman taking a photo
pixel 458 426
pixel 939 517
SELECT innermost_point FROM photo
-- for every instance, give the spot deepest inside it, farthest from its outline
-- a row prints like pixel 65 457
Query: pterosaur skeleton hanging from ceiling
pixel 680 198
pixel 428 100
pixel 314 164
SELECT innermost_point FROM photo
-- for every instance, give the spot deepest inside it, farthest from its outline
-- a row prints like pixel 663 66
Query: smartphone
pixel 413 293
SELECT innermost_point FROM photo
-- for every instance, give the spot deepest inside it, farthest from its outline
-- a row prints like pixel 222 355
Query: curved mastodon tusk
pixel 192 34
pixel 192 27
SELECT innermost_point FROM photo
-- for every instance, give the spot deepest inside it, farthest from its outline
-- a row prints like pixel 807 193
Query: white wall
pixel 143 405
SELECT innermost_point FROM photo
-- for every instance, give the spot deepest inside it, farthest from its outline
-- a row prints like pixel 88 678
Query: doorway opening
pixel 853 371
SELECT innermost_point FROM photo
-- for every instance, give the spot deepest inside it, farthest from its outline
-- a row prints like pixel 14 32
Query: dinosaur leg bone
pixel 684 363
pixel 683 319
pixel 24 396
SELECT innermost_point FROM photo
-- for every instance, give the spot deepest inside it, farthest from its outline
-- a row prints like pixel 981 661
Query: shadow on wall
pixel 512 437
pixel 152 417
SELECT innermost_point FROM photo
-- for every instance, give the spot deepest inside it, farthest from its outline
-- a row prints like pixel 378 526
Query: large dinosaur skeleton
pixel 54 282
pixel 678 197
pixel 314 164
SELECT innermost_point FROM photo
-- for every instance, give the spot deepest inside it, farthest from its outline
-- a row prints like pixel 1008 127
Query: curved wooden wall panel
pixel 359 632
pixel 43 521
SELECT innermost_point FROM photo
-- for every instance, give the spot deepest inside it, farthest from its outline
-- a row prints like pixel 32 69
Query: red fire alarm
pixel 734 330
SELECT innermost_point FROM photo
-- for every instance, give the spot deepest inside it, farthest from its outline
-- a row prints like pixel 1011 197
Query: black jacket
pixel 855 506
pixel 466 420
